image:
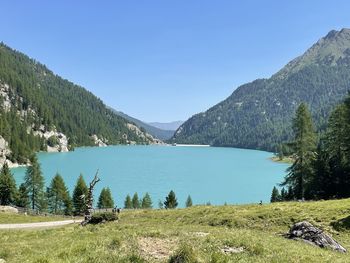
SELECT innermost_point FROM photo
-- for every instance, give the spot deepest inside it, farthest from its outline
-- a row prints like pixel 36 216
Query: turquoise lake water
pixel 208 174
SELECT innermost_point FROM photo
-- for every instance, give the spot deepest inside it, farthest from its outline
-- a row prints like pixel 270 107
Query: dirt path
pixel 38 225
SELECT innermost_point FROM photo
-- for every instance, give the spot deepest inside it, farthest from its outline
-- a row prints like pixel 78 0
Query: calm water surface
pixel 212 174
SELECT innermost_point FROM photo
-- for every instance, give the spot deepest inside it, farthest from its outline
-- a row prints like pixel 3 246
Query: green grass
pixel 288 160
pixel 196 233
pixel 11 218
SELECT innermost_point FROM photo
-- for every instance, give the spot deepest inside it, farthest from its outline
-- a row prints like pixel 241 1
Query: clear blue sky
pixel 166 60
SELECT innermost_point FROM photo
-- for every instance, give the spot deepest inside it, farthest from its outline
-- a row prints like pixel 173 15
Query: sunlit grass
pixel 155 235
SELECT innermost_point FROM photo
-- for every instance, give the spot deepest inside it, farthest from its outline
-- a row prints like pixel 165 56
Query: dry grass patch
pixel 157 248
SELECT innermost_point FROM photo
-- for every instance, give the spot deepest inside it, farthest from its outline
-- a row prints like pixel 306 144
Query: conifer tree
pixel 128 202
pixel 58 196
pixel 34 182
pixel 135 201
pixel 189 201
pixel 22 199
pixel 275 195
pixel 7 186
pixel 170 200
pixel 79 194
pixel 105 199
pixel 300 174
pixel 146 201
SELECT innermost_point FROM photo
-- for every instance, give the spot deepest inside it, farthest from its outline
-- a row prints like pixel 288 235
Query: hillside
pixel 42 111
pixel 258 114
pixel 162 134
pixel 154 235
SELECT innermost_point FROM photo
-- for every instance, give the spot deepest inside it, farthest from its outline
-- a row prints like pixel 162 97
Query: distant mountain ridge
pixel 172 126
pixel 162 134
pixel 258 114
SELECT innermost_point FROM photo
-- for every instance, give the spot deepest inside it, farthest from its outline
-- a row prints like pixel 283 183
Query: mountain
pixel 172 126
pixel 39 110
pixel 162 134
pixel 258 114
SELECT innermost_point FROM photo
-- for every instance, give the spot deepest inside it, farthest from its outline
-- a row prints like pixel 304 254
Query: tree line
pixel 56 199
pixel 321 167
pixel 146 202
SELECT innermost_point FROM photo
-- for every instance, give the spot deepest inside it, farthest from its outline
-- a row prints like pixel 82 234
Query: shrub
pixel 98 218
pixel 185 254
pixel 52 141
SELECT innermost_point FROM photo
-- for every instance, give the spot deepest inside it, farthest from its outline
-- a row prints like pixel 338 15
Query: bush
pixel 98 218
pixel 52 141
pixel 185 254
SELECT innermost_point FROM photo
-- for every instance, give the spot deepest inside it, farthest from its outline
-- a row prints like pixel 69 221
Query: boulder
pixel 8 209
pixel 312 235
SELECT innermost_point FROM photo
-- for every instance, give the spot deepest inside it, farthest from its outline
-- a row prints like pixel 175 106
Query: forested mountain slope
pixel 258 115
pixel 40 109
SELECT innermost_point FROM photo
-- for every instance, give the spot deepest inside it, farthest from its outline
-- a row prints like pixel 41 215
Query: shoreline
pixel 191 145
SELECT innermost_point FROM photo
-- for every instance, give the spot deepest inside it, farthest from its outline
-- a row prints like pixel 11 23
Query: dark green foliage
pixel 332 165
pixel 34 182
pixel 300 174
pixel 128 202
pixel 7 186
pixel 258 115
pixel 52 141
pixel 79 194
pixel 57 103
pixel 22 198
pixel 189 201
pixel 146 201
pixel 59 201
pixel 98 218
pixel 275 195
pixel 105 199
pixel 135 201
pixel 322 173
pixel 170 200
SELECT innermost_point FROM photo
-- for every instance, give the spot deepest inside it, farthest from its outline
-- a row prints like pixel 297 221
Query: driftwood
pixel 90 200
pixel 312 235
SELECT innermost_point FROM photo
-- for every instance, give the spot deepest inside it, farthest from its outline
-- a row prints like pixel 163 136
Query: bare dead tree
pixel 90 200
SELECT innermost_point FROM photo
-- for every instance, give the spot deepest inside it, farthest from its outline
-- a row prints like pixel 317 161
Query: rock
pixel 2 260
pixel 313 235
pixel 232 250
pixel 8 209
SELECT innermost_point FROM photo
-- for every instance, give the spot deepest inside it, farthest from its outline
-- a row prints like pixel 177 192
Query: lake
pixel 208 174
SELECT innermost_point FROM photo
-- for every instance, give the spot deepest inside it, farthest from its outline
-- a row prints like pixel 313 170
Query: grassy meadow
pixel 200 233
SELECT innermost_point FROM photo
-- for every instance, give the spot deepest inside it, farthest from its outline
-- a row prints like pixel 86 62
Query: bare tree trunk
pixel 90 200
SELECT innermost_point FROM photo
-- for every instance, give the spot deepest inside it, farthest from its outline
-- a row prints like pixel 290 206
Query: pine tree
pixel 146 201
pixel 189 201
pixel 34 182
pixel 58 196
pixel 128 202
pixel 79 194
pixel 7 186
pixel 336 149
pixel 160 204
pixel 275 195
pixel 22 199
pixel 105 199
pixel 135 201
pixel 283 194
pixel 170 200
pixel 300 174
